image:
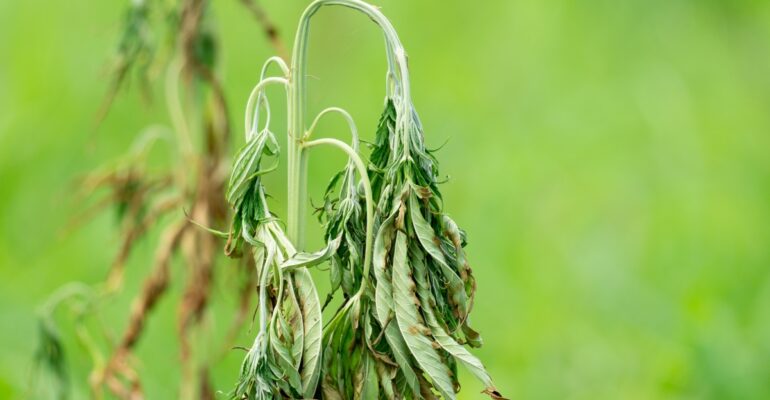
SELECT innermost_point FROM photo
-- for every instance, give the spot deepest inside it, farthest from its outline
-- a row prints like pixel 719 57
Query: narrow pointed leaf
pixel 311 319
pixel 383 291
pixel 442 337
pixel 302 259
pixel 410 324
pixel 430 241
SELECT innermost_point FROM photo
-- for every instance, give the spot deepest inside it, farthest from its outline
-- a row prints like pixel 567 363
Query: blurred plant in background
pixel 173 43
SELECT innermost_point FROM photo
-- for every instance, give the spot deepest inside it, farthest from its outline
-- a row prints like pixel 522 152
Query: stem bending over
pixel 403 324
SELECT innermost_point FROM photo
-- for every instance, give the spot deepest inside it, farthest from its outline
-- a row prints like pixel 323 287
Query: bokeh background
pixel 608 159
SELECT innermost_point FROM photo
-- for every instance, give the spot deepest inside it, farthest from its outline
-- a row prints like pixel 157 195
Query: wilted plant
pixel 400 330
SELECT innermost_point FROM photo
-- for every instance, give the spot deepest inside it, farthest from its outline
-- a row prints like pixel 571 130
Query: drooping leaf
pixel 311 319
pixel 410 323
pixel 386 376
pixel 302 259
pixel 439 334
pixel 370 387
pixel 246 163
pixel 403 357
pixel 283 357
pixel 297 325
pixel 383 289
pixel 429 241
pixel 381 151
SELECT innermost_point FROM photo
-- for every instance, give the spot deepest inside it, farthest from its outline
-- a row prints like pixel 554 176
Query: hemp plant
pixel 407 290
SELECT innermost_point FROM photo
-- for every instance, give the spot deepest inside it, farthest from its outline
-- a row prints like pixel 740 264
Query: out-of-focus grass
pixel 609 161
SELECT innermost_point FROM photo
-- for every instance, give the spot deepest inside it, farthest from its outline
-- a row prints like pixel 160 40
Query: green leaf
pixel 298 330
pixel 386 375
pixel 383 291
pixel 410 325
pixel 245 164
pixel 381 152
pixel 442 337
pixel 311 319
pixel 453 233
pixel 283 357
pixel 401 354
pixel 430 242
pixel 302 259
pixel 335 273
pixel 370 387
pixel 384 303
pixel 257 376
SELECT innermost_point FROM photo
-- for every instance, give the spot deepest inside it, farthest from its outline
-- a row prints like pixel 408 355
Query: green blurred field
pixel 608 159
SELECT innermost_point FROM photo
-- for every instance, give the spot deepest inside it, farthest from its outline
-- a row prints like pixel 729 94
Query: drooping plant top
pixel 399 262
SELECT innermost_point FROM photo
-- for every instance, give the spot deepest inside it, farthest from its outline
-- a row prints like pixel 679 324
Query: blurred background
pixel 609 161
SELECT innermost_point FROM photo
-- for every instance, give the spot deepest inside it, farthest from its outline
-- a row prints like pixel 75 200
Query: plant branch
pixel 362 171
pixel 269 28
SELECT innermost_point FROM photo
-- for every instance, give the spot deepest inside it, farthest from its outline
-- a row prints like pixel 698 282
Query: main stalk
pixel 297 157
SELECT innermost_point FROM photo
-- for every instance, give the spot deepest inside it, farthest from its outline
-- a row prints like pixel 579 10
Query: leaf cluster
pixel 401 336
pixel 406 335
pixel 283 361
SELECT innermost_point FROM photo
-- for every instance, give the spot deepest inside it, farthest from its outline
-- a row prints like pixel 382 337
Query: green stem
pixel 297 160
pixel 253 98
pixel 361 167
pixel 348 118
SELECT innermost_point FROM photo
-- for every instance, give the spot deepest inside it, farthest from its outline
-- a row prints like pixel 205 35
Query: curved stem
pixel 348 119
pixel 253 98
pixel 261 98
pixel 277 61
pixel 297 161
pixel 367 194
pixel 353 132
